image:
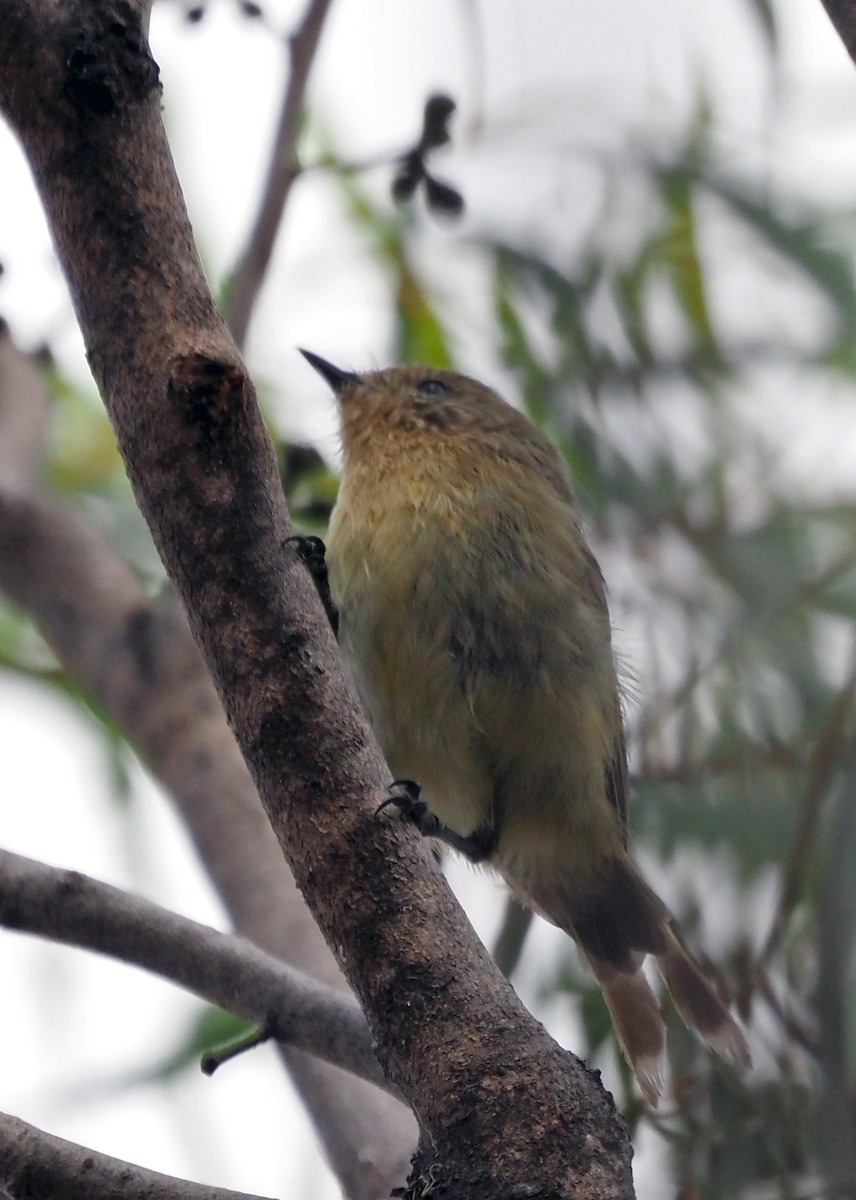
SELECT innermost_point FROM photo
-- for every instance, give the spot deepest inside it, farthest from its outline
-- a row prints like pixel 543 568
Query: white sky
pixel 588 75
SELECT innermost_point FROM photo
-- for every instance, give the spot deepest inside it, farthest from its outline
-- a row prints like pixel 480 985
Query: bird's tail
pixel 635 1013
pixel 616 924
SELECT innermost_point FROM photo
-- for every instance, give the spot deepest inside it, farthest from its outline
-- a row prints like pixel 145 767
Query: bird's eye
pixel 433 387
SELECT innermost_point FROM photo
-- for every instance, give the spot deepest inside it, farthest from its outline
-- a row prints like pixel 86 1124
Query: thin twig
pixel 213 1060
pixel 823 764
pixel 283 169
pixel 775 757
pixel 796 1030
pixel 836 924
pixel 508 947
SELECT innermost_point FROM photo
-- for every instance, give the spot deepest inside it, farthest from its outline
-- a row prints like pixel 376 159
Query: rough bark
pixel 34 1165
pixel 502 1109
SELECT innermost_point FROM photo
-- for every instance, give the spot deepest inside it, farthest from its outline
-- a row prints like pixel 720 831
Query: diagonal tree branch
pixel 283 169
pixel 138 660
pixel 33 1163
pixel 500 1106
pixel 23 418
pixel 68 907
pixel 842 14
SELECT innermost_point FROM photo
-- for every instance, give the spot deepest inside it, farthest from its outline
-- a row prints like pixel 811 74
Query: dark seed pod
pixel 442 197
pixel 435 122
pixel 410 173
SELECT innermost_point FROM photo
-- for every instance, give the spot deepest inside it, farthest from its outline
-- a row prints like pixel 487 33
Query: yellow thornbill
pixel 473 618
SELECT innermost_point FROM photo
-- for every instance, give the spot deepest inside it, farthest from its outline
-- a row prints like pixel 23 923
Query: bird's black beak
pixel 337 379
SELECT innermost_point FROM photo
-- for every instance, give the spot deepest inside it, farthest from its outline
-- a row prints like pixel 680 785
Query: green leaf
pixel 212 1028
pixel 677 249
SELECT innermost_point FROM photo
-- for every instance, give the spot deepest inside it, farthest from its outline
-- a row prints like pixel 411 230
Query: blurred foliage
pixel 733 583
pixel 751 600
pixel 737 584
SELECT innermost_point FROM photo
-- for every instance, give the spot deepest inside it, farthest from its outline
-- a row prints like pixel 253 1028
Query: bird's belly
pixel 420 718
pixel 489 697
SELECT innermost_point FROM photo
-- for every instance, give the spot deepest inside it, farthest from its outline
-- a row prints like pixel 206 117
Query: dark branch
pixel 138 660
pixel 842 14
pixel 33 1163
pixel 283 169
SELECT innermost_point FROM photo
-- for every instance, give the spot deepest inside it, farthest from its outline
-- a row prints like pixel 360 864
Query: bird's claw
pixel 405 795
pixel 313 554
pixel 311 551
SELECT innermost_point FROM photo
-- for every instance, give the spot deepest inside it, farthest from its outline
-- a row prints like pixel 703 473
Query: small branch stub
pixel 108 62
pixel 211 390
pixel 214 1059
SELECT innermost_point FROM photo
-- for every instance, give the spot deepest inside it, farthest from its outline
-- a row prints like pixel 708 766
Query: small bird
pixel 473 618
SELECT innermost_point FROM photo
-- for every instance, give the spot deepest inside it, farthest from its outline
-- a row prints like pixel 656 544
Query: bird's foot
pixel 313 554
pixel 406 796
